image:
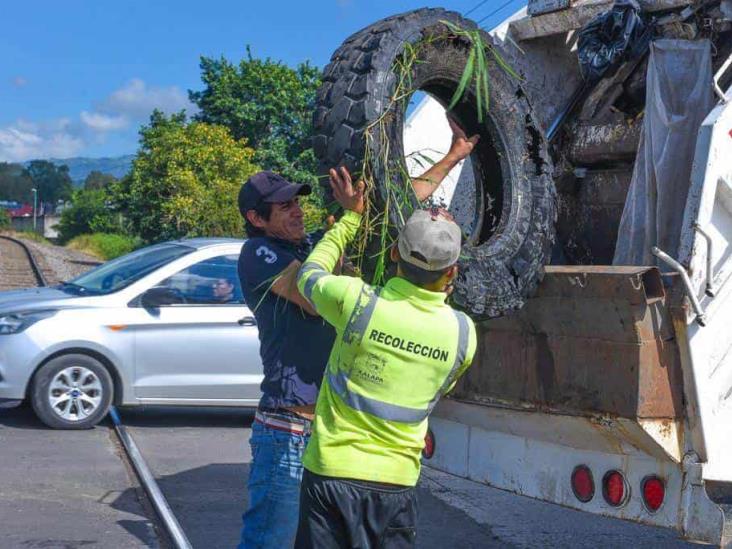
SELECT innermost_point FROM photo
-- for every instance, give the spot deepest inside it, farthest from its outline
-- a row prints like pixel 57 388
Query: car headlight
pixel 14 323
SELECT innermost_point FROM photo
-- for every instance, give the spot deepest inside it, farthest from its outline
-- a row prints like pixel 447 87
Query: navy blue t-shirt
pixel 294 345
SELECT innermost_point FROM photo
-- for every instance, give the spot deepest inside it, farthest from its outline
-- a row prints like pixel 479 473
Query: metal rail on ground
pixel 147 480
pixel 40 279
pixel 172 526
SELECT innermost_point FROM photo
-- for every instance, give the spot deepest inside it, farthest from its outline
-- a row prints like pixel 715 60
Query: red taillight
pixel 429 445
pixel 614 488
pixel 654 491
pixel 583 485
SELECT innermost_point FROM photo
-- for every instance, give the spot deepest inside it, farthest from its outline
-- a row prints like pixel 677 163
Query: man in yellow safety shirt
pixel 398 349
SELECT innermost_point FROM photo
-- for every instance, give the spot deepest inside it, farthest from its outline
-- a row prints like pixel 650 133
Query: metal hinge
pixel 709 290
pixel 679 268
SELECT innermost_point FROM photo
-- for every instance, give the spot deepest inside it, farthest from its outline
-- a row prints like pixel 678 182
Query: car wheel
pixel 71 391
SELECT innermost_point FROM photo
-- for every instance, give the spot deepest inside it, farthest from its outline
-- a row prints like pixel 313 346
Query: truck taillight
pixel 429 445
pixel 583 485
pixel 615 488
pixel 654 490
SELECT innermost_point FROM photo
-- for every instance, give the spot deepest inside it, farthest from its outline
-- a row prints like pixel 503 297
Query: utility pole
pixel 35 202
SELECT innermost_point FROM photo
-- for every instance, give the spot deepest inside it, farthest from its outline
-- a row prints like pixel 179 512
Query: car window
pixel 212 281
pixel 123 271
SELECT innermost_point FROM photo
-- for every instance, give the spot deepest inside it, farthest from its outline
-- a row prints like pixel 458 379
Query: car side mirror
pixel 158 297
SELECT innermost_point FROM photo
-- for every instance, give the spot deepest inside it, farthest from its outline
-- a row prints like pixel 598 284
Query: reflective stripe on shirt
pixel 394 412
pixel 384 410
pixel 361 315
pixel 314 272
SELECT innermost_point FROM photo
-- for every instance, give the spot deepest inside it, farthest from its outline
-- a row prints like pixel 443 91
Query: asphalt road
pixel 66 489
pixel 72 490
pixel 200 459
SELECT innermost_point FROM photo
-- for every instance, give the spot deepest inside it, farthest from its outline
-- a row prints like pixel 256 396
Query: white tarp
pixel 427 138
pixel 679 95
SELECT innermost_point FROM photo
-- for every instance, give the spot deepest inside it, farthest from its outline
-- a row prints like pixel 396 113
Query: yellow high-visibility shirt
pixel 398 349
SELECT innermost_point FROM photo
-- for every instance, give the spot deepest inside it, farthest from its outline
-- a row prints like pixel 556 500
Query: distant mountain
pixel 80 167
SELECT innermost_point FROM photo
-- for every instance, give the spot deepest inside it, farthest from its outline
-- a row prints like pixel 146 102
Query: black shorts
pixel 338 512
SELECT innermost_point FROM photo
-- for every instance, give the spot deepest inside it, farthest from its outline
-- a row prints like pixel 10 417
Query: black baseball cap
pixel 268 187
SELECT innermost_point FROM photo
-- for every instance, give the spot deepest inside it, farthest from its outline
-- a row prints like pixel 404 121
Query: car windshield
pixel 123 271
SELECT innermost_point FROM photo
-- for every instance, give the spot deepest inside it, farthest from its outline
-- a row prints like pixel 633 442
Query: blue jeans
pixel 274 489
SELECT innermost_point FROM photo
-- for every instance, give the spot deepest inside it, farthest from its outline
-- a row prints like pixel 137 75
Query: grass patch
pixel 31 235
pixel 103 245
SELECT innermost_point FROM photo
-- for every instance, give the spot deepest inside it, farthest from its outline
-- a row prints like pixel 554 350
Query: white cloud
pixel 102 122
pixel 136 100
pixel 19 81
pixel 64 137
pixel 25 140
pixel 55 125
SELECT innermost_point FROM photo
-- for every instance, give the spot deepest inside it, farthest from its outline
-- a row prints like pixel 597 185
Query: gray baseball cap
pixel 430 240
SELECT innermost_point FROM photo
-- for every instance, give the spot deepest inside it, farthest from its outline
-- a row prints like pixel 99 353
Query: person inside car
pixel 223 291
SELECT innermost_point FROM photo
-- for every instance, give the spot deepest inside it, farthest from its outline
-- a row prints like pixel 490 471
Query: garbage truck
pixel 597 259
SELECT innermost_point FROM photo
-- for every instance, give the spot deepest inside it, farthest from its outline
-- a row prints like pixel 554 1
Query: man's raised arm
pixel 460 148
pixel 324 290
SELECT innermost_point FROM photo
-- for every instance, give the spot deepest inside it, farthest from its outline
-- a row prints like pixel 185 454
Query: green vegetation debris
pixel 104 246
pixel 389 207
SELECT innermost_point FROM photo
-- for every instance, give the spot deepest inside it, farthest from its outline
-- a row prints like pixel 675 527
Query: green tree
pixel 267 103
pixel 4 219
pixel 14 183
pixel 53 182
pixel 90 212
pixel 185 180
pixel 98 180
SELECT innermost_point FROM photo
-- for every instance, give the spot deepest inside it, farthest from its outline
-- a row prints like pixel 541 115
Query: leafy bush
pixel 89 213
pixel 53 182
pixel 185 180
pixel 4 219
pixel 266 103
pixel 104 245
pixel 15 183
pixel 98 180
pixel 270 106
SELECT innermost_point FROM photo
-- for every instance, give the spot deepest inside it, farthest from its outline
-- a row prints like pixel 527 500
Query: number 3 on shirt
pixel 270 256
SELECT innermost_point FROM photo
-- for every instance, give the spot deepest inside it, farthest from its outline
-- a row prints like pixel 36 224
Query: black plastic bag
pixel 611 38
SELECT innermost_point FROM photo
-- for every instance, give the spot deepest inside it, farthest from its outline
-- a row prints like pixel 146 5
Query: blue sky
pixel 77 78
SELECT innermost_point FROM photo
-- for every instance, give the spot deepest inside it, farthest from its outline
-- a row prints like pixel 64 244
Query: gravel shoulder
pixel 59 263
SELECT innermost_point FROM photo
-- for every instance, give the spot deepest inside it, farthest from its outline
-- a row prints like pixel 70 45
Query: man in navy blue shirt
pixel 294 342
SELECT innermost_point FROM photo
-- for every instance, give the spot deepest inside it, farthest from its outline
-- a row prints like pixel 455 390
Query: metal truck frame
pixel 624 373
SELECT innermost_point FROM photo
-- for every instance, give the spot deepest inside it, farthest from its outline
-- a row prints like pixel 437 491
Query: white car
pixel 164 325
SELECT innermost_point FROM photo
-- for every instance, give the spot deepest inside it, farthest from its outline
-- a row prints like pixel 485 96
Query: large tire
pixel 501 263
pixel 72 391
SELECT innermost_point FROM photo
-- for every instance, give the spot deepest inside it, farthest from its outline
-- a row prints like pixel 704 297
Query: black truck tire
pixel 502 262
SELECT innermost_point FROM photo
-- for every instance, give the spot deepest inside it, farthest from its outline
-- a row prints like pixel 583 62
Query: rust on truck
pixel 593 340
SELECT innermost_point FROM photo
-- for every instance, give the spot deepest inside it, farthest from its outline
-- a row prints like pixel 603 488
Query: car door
pixel 201 346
